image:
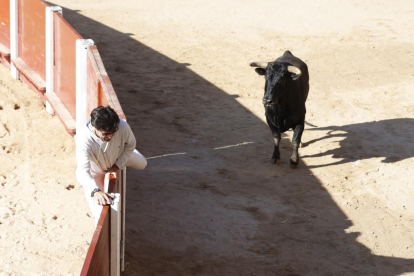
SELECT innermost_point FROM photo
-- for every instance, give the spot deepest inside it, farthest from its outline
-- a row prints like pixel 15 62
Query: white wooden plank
pixel 123 219
pixel 50 53
pixel 14 29
pixel 81 81
pixel 116 218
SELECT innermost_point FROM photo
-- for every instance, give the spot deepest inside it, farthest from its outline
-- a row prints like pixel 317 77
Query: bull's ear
pixel 260 71
pixel 294 76
pixel 295 72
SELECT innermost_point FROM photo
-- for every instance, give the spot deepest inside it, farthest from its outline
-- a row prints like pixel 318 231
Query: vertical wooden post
pixel 50 53
pixel 116 218
pixel 14 36
pixel 123 200
pixel 81 81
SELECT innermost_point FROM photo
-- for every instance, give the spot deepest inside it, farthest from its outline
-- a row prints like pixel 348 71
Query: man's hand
pixel 103 198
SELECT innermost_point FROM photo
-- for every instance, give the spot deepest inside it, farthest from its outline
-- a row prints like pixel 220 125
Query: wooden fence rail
pixel 43 50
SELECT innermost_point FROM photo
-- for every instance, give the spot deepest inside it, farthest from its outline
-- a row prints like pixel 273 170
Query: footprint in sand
pixel 4 130
pixel 69 187
pixel 6 212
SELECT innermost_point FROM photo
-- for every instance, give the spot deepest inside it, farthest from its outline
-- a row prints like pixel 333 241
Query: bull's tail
pixel 309 124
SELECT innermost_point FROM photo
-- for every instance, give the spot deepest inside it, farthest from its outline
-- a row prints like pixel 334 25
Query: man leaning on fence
pixel 105 144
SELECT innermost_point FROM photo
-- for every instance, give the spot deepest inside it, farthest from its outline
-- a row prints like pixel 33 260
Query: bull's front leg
pixel 277 134
pixel 297 136
pixel 276 153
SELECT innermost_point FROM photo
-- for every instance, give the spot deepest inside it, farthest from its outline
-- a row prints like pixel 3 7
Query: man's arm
pixel 84 175
pixel 129 147
pixel 83 166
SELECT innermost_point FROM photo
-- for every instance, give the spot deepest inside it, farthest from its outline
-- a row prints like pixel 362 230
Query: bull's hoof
pixel 275 160
pixel 293 164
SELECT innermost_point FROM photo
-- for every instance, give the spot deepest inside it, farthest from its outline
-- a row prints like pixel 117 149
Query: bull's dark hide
pixel 286 91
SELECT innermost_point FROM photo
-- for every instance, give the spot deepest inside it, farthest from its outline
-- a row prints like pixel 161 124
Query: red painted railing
pixel 30 61
pixel 98 258
pixel 5 32
pixel 32 38
pixel 65 63
pixel 100 89
pixel 97 261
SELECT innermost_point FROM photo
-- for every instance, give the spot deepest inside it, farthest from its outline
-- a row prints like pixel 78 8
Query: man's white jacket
pixel 94 157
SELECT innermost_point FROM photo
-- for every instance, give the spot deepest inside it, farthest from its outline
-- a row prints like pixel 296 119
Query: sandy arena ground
pixel 209 202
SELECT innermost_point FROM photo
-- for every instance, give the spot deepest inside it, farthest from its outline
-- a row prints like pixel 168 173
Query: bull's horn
pixel 260 64
pixel 295 70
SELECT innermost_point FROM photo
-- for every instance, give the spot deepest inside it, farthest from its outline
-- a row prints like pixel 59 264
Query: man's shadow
pixel 197 209
pixel 391 140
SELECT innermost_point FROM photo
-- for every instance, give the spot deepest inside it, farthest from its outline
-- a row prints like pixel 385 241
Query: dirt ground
pixel 209 201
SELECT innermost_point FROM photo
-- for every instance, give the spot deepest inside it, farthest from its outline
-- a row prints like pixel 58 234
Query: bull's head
pixel 278 76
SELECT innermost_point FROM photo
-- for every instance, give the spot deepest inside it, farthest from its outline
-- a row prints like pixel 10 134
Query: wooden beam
pixel 63 114
pixel 30 74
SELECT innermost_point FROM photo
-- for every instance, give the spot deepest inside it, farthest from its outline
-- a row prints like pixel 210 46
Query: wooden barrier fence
pixel 105 254
pixel 44 51
pixel 5 33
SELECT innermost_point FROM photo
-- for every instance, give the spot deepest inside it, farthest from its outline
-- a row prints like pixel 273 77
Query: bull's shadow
pixel 197 209
pixel 391 140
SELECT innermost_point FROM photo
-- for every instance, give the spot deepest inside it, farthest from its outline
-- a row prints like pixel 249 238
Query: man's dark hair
pixel 104 118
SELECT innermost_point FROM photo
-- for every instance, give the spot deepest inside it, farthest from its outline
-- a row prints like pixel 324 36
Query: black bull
pixel 286 91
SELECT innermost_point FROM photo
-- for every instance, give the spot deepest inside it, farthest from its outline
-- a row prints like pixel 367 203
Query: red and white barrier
pixel 82 81
pixel 5 33
pixel 68 74
pixel 50 53
pixel 103 257
pixel 14 45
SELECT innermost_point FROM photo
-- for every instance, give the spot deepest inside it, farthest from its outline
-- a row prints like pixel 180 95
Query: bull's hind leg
pixel 297 136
